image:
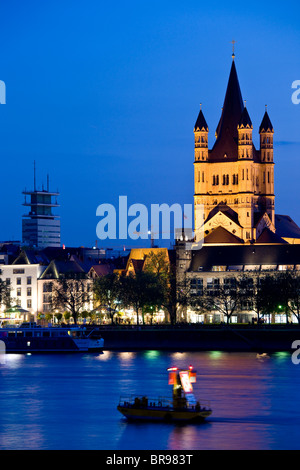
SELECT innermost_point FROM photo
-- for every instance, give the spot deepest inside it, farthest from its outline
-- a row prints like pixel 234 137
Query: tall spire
pixel 227 134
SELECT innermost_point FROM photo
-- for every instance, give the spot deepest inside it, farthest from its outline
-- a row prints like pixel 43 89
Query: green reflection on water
pixel 215 354
pixel 152 354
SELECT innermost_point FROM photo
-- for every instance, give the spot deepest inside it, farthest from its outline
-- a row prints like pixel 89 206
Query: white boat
pixel 29 337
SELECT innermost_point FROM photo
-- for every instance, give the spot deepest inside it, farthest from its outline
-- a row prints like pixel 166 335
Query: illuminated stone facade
pixel 234 181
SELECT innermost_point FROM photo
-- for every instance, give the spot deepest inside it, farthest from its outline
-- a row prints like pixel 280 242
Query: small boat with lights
pixel 32 338
pixel 182 407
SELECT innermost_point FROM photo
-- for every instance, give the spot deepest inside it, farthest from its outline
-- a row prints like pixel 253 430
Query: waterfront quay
pixel 184 337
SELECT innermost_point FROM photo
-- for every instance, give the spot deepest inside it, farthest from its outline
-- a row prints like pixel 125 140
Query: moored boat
pixel 30 338
pixel 182 407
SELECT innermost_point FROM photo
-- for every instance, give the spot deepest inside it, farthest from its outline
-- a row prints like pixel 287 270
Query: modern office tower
pixel 40 227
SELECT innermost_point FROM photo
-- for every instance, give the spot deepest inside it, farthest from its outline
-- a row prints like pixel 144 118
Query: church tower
pixel 234 182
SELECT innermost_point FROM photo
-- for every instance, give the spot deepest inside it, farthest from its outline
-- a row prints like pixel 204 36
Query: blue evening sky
pixel 104 96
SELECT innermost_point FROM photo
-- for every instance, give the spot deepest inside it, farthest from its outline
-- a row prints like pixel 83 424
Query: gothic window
pixel 235 179
pixel 225 180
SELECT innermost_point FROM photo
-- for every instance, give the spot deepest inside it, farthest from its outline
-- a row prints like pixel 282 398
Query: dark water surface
pixel 69 401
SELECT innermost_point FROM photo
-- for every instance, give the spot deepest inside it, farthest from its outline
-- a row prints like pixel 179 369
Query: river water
pixel 67 402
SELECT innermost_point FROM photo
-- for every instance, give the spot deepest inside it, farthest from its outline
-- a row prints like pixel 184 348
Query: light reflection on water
pixel 69 401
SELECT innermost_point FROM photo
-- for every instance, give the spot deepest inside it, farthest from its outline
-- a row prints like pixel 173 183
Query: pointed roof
pixel 267 236
pixel 221 235
pixel 201 122
pixel 60 268
pixel 286 227
pixel 226 210
pixel 266 124
pixel 245 119
pixel 227 134
pixel 101 269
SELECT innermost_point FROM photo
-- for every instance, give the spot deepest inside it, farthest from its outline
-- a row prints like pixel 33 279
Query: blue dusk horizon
pixel 104 97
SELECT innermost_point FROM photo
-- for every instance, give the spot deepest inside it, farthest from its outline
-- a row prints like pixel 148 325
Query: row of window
pixel 213 285
pixel 254 267
pixel 19 291
pixel 234 179
pixel 19 280
pixel 225 180
pixel 47 287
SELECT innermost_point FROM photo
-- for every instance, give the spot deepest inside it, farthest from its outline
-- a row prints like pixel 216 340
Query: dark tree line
pixel 156 287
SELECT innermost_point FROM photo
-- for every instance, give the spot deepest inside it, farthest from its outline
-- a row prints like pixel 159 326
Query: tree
pixel 5 294
pixel 158 264
pixel 224 298
pixel 140 291
pixel 69 294
pixel 288 293
pixel 107 290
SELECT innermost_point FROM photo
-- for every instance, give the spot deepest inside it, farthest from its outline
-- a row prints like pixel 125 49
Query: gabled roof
pixel 60 268
pixel 137 264
pixel 220 235
pixel 102 269
pixel 267 236
pixel 30 256
pixel 286 227
pixel 226 210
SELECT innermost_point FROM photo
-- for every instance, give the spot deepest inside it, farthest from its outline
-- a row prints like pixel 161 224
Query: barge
pixel 31 338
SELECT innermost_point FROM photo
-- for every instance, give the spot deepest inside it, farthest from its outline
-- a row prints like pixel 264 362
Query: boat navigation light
pixel 172 368
pixel 191 367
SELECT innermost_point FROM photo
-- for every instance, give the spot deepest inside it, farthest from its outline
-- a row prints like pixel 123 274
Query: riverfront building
pixel 234 185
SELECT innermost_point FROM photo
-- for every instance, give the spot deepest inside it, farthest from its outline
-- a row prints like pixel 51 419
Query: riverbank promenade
pixel 199 337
